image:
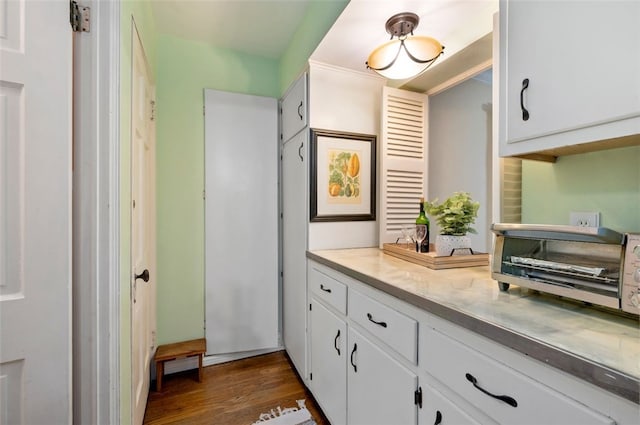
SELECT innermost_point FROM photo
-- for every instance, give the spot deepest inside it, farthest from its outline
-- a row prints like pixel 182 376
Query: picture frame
pixel 342 176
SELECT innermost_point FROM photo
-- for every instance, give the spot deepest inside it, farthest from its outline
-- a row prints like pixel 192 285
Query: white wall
pixel 460 151
pixel 344 100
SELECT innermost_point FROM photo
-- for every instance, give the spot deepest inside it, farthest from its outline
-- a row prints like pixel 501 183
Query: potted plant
pixel 454 217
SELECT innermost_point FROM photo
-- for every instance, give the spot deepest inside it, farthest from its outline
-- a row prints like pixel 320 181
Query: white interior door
pixel 241 222
pixel 143 276
pixel 35 212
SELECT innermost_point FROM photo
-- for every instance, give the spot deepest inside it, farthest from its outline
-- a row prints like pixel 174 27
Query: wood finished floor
pixel 231 393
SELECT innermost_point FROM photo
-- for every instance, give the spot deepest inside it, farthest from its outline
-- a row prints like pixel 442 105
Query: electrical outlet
pixel 584 219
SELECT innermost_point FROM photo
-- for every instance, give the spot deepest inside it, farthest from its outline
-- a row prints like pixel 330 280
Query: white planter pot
pixel 447 243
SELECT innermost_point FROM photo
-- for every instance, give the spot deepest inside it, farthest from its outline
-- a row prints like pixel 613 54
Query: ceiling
pixel 266 27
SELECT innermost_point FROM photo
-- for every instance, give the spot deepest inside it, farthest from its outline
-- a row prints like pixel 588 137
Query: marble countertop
pixel 592 344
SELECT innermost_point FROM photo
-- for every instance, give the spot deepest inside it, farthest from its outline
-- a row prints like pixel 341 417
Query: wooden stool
pixel 179 350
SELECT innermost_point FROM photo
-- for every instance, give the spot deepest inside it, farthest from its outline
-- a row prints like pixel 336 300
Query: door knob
pixel 144 275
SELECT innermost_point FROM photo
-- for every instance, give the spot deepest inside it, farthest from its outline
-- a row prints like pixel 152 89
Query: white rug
pixel 287 416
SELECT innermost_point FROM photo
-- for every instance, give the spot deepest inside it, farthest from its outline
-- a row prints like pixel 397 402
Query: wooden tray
pixel 430 260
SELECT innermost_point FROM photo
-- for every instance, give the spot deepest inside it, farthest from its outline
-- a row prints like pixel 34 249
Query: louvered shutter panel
pixel 511 192
pixel 403 160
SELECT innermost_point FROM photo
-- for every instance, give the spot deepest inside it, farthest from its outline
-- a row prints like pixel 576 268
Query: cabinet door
pixel 294 108
pixel 379 389
pixel 438 410
pixel 327 362
pixel 581 61
pixel 294 245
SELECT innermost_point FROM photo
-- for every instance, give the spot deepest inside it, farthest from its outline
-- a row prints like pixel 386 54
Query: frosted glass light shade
pixel 425 50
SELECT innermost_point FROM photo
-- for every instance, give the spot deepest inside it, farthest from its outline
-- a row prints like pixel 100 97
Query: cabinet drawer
pixel 328 289
pixel 400 332
pixel 522 400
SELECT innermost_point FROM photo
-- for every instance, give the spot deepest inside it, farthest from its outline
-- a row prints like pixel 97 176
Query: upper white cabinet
pixel 569 75
pixel 294 109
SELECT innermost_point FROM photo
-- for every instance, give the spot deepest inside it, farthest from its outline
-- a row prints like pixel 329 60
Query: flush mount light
pixel 406 56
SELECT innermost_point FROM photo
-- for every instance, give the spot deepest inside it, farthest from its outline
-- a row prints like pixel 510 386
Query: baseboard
pixel 180 365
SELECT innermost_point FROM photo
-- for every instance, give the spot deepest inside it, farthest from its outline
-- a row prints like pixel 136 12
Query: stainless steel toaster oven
pixel 591 264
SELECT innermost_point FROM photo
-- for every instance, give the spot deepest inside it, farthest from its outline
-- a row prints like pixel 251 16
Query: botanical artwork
pixel 344 176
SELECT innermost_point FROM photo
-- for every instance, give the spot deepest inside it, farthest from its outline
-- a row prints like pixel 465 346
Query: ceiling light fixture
pixel 406 56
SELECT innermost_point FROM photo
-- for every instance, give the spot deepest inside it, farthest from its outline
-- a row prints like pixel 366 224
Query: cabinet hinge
pixel 79 17
pixel 417 397
pixel 310 309
pixel 311 377
pixel 204 194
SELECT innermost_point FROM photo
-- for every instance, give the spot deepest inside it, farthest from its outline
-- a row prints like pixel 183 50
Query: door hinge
pixel 417 397
pixel 153 110
pixel 204 194
pixel 79 17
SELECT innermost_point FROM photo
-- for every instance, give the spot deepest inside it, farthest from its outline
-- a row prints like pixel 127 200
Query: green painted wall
pixel 141 12
pixel 317 21
pixel 605 181
pixel 184 70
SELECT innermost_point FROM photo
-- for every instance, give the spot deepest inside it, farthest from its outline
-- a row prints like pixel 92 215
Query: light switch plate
pixel 584 219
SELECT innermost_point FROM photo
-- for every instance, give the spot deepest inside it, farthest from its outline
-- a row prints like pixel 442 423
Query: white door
pixel 327 362
pixel 143 275
pixel 35 212
pixel 241 222
pixel 294 246
pixel 379 389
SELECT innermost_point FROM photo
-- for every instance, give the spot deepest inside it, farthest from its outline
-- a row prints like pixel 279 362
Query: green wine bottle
pixel 422 219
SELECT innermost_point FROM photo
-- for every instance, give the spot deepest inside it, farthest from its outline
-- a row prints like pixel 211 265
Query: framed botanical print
pixel 343 176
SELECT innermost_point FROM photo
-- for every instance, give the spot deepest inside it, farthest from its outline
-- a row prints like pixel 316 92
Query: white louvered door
pixel 403 159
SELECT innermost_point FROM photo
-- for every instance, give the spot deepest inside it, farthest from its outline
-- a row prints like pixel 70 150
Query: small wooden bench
pixel 179 350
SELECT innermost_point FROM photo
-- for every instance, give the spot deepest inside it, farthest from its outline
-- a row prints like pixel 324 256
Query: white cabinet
pixel 397 330
pixel 355 377
pixel 569 74
pixel 504 394
pixel 294 108
pixel 327 362
pixel 439 410
pixel 380 390
pixel 294 245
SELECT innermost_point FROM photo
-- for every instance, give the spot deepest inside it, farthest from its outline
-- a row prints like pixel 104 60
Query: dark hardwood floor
pixel 231 393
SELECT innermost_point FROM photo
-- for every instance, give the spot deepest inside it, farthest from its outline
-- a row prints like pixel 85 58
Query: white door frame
pixel 96 223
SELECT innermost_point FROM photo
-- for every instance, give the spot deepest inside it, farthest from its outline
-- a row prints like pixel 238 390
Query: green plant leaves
pixel 455 215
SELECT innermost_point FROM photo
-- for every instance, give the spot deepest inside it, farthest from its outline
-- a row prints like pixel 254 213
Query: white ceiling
pixel 266 27
pixel 257 27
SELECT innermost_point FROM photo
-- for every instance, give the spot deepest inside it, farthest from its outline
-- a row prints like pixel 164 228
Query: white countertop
pixel 611 342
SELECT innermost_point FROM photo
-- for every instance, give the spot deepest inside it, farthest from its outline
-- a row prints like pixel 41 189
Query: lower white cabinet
pixel 439 410
pixel 379 389
pixel 355 377
pixel 383 361
pixel 502 393
pixel 328 365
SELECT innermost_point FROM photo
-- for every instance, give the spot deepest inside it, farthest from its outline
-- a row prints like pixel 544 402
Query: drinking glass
pixel 421 233
pixel 408 232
